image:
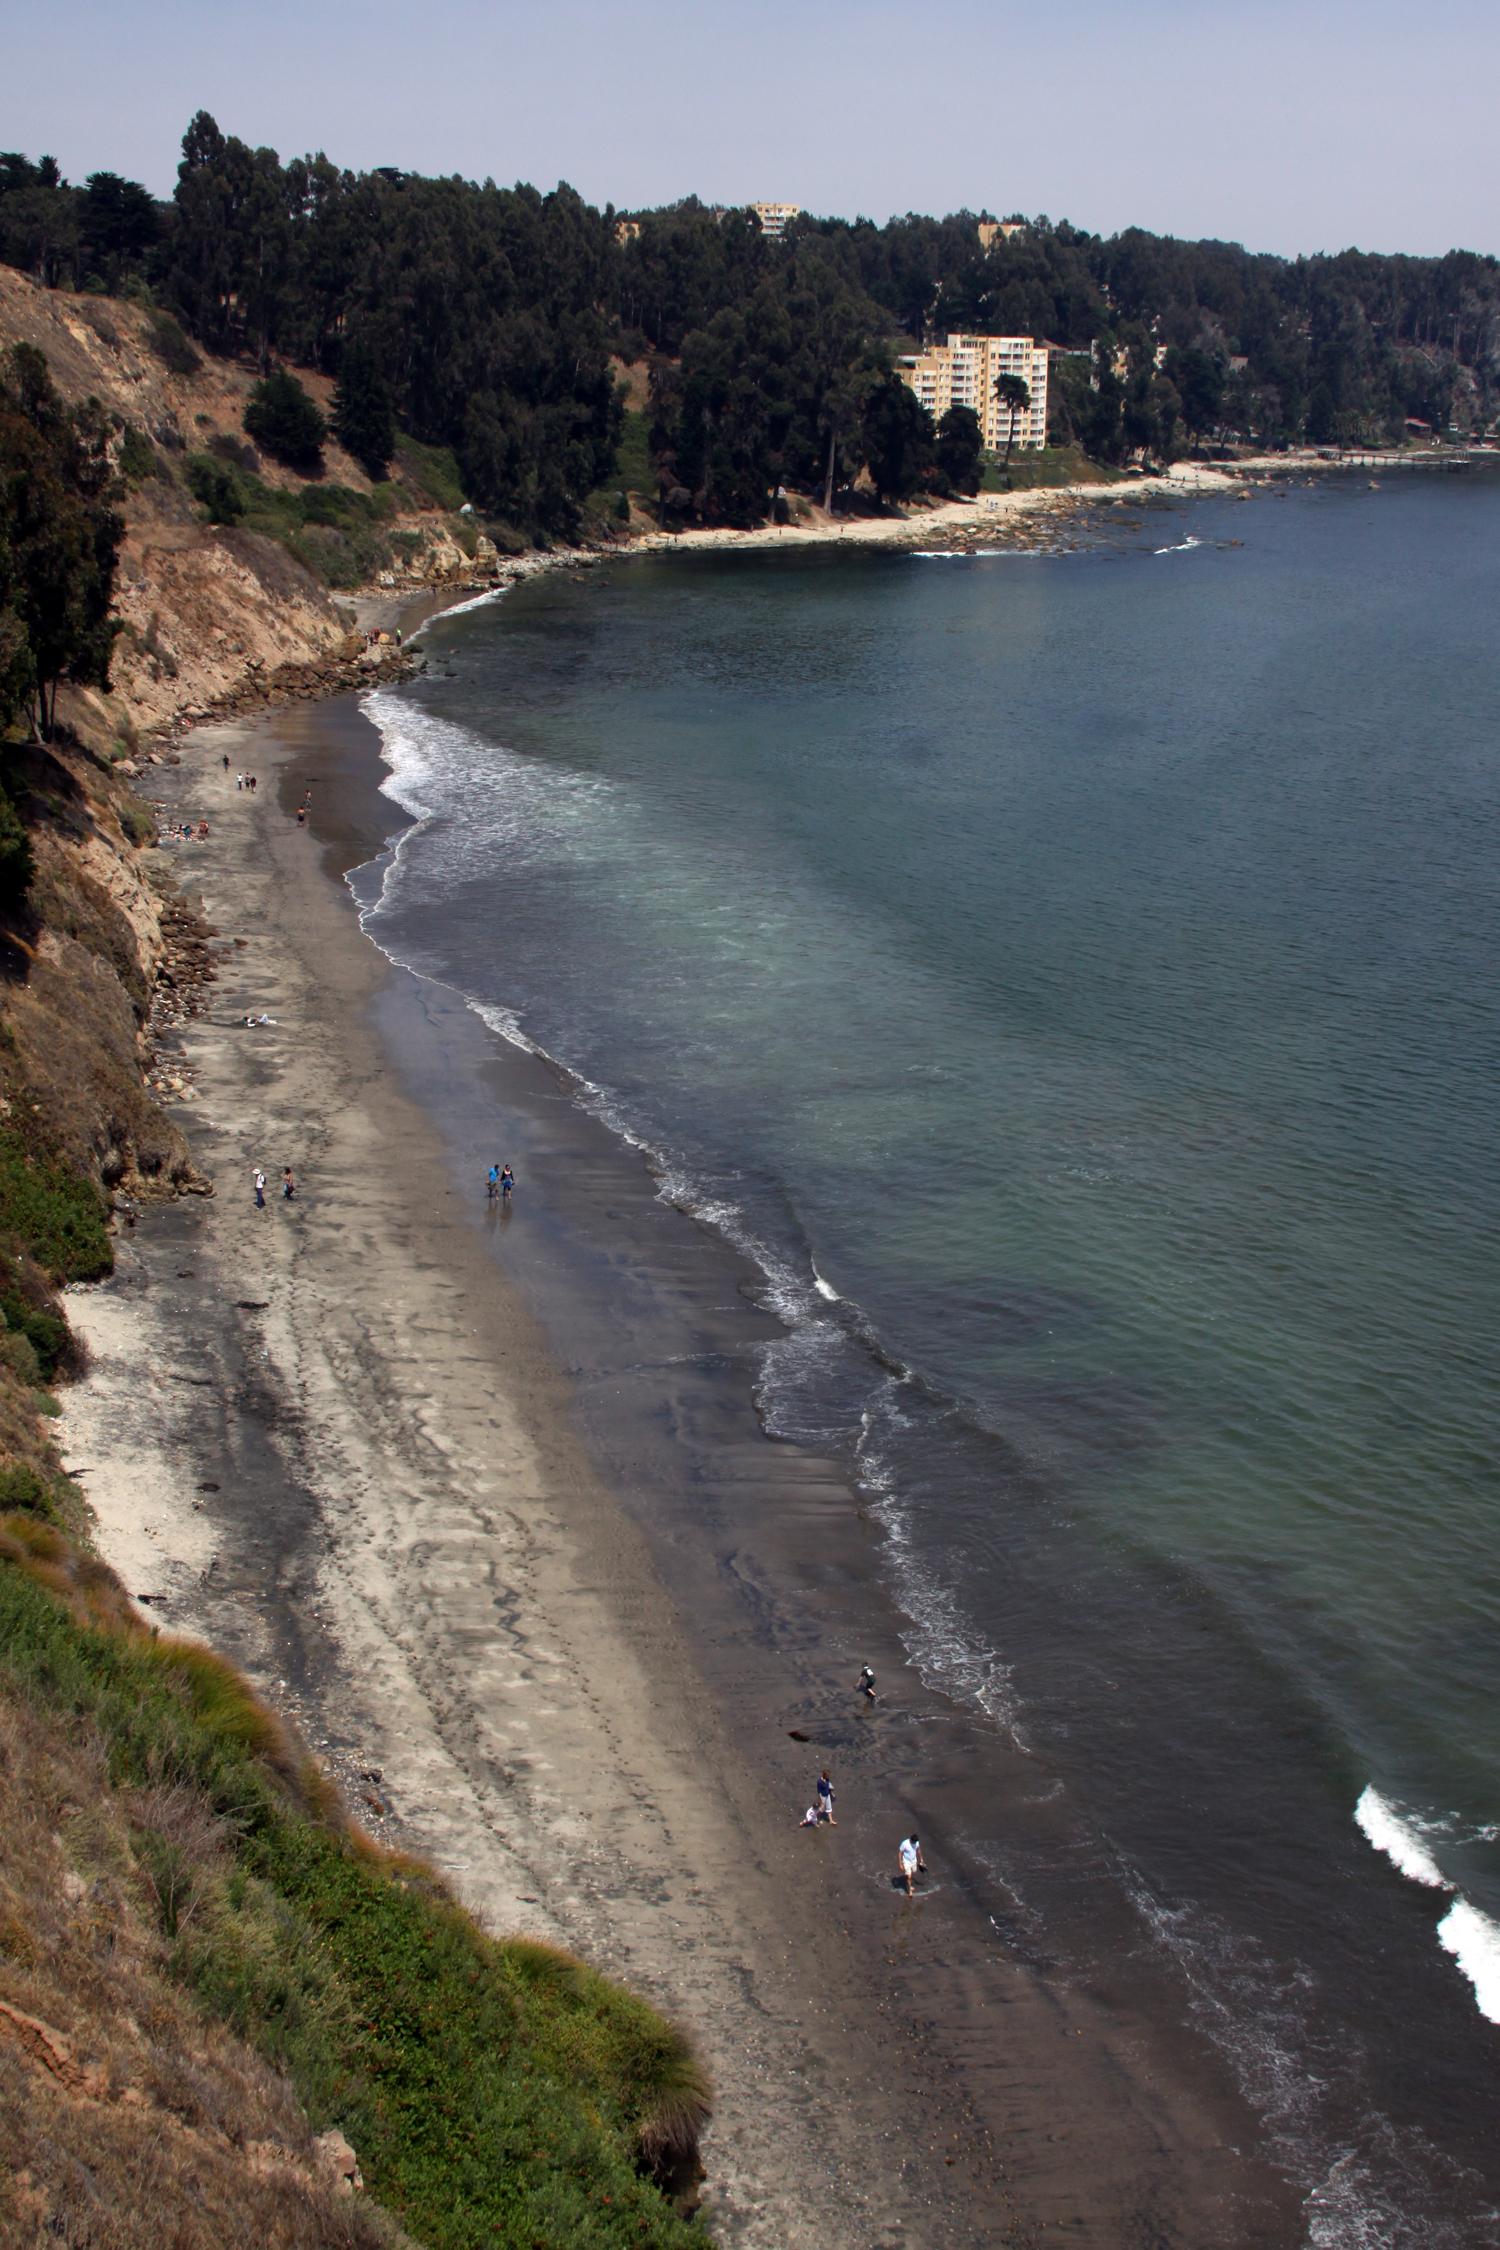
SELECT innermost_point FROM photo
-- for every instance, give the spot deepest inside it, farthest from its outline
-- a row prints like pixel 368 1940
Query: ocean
pixel 1070 977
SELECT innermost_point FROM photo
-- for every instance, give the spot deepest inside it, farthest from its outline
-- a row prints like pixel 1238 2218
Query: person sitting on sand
pixel 810 1818
pixel 910 1863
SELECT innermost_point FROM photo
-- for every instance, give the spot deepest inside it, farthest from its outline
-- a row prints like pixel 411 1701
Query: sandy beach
pixel 467 1495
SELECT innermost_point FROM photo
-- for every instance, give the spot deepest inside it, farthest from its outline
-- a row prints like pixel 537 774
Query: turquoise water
pixel 1074 977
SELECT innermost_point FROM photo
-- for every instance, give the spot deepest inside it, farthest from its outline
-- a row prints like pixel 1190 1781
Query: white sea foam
pixel 1470 1936
pixel 940 1640
pixel 1366 2185
pixel 457 609
pixel 1398 1839
pixel 1474 1942
pixel 980 554
pixel 1181 547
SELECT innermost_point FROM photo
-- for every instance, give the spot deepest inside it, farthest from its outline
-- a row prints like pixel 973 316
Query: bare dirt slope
pixel 206 609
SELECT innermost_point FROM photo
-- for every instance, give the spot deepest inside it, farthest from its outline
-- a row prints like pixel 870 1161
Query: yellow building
pixel 775 218
pixel 991 231
pixel 962 372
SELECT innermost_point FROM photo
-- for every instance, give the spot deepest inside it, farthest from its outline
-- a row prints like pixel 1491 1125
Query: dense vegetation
pixel 496 2093
pixel 59 536
pixel 484 319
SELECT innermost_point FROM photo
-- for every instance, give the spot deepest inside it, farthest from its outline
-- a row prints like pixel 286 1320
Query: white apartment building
pixel 962 372
pixel 775 218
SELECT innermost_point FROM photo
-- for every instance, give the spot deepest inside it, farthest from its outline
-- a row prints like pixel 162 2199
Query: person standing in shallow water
pixel 910 1863
pixel 507 1182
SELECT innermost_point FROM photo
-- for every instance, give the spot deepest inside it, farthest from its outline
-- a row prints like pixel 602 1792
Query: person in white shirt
pixel 910 1863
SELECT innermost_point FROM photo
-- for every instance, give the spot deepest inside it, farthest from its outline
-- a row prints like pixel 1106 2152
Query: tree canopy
pixel 486 319
pixel 59 538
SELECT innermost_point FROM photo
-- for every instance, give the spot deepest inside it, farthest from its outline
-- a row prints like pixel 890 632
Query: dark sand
pixel 482 1501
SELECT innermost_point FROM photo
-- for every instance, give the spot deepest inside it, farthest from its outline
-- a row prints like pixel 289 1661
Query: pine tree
pixel 364 419
pixel 281 417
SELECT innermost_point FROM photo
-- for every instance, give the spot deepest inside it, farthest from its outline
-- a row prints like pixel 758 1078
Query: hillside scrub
pixel 496 2092
pixel 340 535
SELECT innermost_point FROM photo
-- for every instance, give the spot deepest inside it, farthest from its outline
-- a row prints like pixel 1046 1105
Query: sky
pixel 1285 127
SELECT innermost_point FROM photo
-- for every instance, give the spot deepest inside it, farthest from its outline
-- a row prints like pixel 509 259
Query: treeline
pixel 474 317
pixel 485 319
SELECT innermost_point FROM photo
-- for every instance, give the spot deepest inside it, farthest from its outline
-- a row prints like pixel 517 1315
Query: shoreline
pixel 353 1474
pixel 370 1476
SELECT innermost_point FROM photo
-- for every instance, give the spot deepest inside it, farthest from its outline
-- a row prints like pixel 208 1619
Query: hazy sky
pixel 1287 127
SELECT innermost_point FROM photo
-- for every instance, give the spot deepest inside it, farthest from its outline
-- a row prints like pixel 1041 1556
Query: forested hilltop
pixel 495 322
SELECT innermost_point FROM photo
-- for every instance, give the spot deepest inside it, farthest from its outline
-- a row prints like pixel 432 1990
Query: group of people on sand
pixel 820 1814
pixel 288 1186
pixel 499 1181
pixel 184 832
pixel 241 780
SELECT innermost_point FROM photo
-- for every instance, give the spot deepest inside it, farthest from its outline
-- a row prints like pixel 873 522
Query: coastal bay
pixel 582 1719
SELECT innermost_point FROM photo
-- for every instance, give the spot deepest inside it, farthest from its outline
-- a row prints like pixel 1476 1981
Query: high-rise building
pixel 962 372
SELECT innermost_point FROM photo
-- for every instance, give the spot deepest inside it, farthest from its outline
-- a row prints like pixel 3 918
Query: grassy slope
pixel 1051 466
pixel 496 2092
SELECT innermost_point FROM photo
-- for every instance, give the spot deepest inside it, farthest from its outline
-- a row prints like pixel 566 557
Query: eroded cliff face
pixel 212 618
pixel 209 613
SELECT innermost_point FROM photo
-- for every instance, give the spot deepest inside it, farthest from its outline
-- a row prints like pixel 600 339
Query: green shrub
pixel 171 346
pixel 137 824
pixel 45 1334
pixel 138 458
pixel 285 422
pixel 225 446
pixel 17 866
pixel 21 1489
pixel 18 1353
pixel 216 486
pixel 52 1212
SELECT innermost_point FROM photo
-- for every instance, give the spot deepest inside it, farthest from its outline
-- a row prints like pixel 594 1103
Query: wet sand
pixel 481 1500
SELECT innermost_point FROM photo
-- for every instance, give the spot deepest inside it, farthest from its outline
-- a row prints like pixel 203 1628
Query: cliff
pixel 226 2017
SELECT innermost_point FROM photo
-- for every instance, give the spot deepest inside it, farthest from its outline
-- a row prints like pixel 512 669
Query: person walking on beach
pixel 260 1189
pixel 866 1684
pixel 910 1863
pixel 226 761
pixel 825 1798
pixel 507 1182
pixel 288 1184
pixel 492 1182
